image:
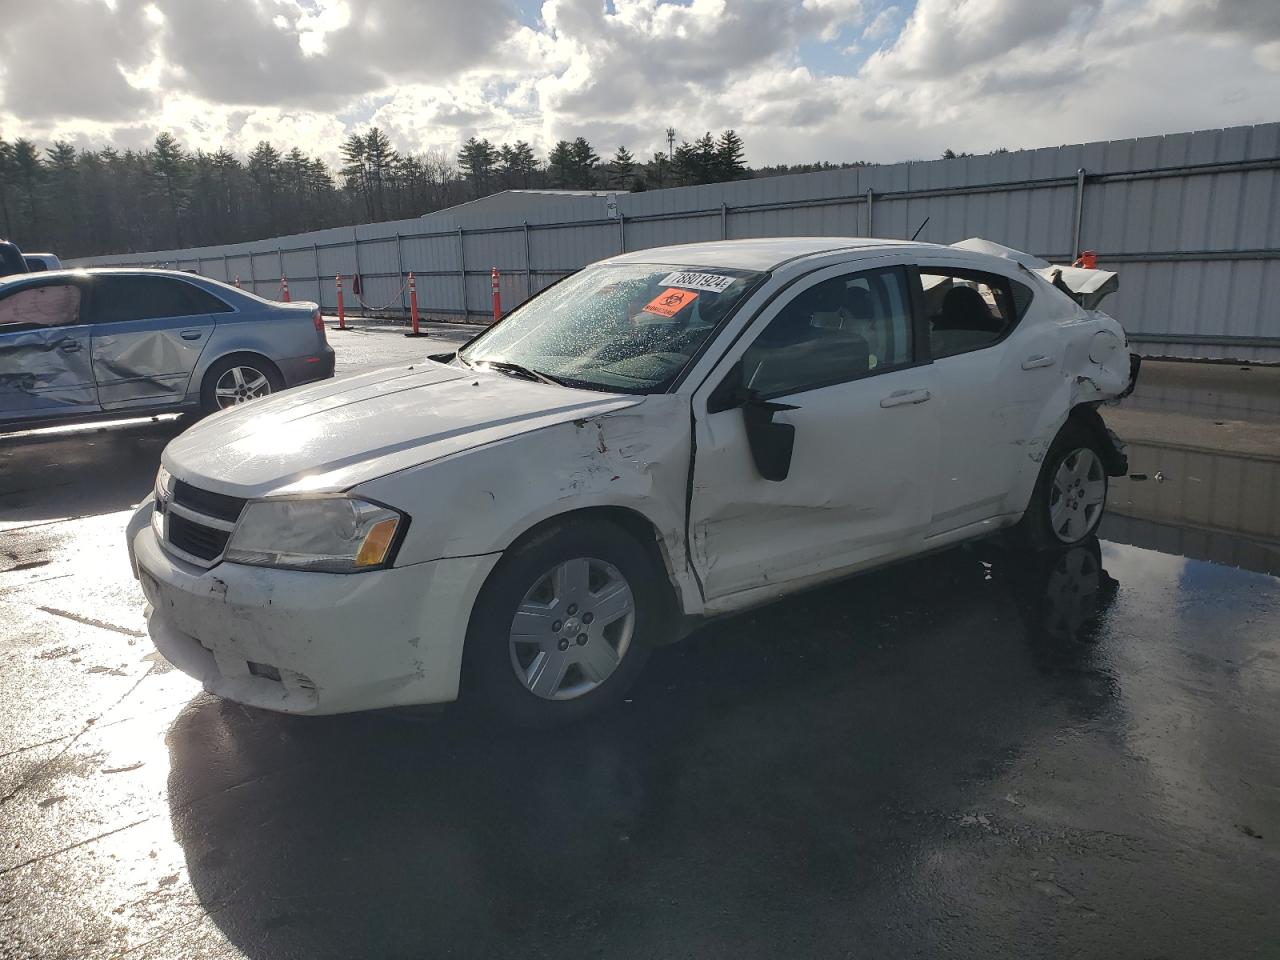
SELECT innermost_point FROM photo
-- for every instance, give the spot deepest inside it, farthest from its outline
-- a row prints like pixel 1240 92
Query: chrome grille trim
pixel 203 519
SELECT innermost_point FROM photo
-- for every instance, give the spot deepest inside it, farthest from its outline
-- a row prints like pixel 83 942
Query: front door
pixel 836 356
pixel 44 354
pixel 148 332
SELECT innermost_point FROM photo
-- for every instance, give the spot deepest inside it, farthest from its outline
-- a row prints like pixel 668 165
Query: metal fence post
pixel 253 274
pixel 1075 233
pixel 622 234
pixel 355 240
pixel 870 229
pixel 528 265
pixel 280 262
pixel 315 256
pixel 404 308
pixel 226 270
pixel 462 272
pixel 724 221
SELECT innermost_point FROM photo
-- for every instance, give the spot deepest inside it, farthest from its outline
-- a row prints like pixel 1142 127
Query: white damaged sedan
pixel 664 436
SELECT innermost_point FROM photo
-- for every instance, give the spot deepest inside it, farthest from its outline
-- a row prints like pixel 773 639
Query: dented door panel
pixel 46 373
pixel 859 489
pixel 146 362
pixel 860 482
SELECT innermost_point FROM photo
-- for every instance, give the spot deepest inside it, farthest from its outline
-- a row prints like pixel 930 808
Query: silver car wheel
pixel 240 385
pixel 1077 496
pixel 572 629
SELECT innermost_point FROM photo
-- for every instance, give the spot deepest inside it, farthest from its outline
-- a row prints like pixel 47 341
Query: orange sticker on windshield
pixel 670 302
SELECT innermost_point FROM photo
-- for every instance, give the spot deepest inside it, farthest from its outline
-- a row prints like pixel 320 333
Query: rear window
pixel 11 260
pixel 117 299
pixel 969 309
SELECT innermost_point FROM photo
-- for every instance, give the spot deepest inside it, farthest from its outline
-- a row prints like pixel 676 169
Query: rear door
pixel 44 353
pixel 148 333
pixel 994 376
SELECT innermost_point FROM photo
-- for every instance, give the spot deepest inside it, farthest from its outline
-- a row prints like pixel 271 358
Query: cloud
pixel 250 52
pixel 882 25
pixel 968 74
pixel 69 58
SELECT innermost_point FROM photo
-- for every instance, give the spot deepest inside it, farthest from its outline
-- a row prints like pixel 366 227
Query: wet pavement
pixel 968 755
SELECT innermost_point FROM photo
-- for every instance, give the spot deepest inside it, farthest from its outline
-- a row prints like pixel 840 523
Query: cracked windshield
pixel 628 328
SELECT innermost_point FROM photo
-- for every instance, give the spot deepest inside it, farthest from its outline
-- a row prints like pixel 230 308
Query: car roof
pixel 769 253
pixel 97 271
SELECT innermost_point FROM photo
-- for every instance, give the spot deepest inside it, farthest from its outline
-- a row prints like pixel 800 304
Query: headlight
pixel 164 484
pixel 331 534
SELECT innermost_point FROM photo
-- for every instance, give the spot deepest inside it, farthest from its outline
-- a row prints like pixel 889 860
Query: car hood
pixel 333 435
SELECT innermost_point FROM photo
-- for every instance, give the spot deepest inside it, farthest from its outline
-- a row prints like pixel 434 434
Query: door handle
pixel 900 397
pixel 192 334
pixel 1036 361
pixel 69 345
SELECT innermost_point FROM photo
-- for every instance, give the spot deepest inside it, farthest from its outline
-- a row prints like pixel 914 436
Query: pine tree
pixel 29 174
pixel 379 159
pixel 507 166
pixel 659 171
pixel 560 164
pixel 729 162
pixel 355 171
pixel 585 161
pixel 169 163
pixel 526 164
pixel 622 169
pixel 7 179
pixel 476 160
pixel 684 164
pixel 264 169
pixel 63 186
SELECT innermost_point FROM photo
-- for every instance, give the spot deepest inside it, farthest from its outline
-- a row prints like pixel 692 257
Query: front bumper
pixel 310 643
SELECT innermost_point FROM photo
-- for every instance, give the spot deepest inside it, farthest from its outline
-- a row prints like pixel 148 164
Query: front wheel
pixel 1070 493
pixel 565 624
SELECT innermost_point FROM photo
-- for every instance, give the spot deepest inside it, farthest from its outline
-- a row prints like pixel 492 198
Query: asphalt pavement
pixel 969 755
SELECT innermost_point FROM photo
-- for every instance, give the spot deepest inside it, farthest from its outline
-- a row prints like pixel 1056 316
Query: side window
pixel 839 329
pixel 32 308
pixel 202 301
pixel 968 309
pixel 120 298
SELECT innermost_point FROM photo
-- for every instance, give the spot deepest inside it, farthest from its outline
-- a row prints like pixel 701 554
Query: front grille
pixel 196 539
pixel 206 501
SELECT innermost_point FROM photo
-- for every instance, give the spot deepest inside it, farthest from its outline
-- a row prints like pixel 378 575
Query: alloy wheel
pixel 572 629
pixel 1077 496
pixel 240 385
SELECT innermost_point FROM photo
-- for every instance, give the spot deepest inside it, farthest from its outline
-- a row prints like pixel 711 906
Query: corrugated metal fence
pixel 1190 220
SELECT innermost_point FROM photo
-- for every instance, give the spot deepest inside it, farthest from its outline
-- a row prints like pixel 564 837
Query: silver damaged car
pixel 81 344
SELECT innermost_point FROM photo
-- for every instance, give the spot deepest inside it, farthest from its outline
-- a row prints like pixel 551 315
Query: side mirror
pixel 771 443
pixel 731 393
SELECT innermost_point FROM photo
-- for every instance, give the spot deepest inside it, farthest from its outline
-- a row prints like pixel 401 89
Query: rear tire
pixel 1070 494
pixel 222 388
pixel 565 623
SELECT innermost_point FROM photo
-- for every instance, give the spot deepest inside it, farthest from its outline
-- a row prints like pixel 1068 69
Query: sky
pixel 800 80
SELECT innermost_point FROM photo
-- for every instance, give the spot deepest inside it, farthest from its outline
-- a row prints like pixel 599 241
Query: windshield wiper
pixel 519 370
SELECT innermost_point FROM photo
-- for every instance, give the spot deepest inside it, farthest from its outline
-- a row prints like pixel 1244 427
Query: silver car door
pixel 148 333
pixel 45 370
